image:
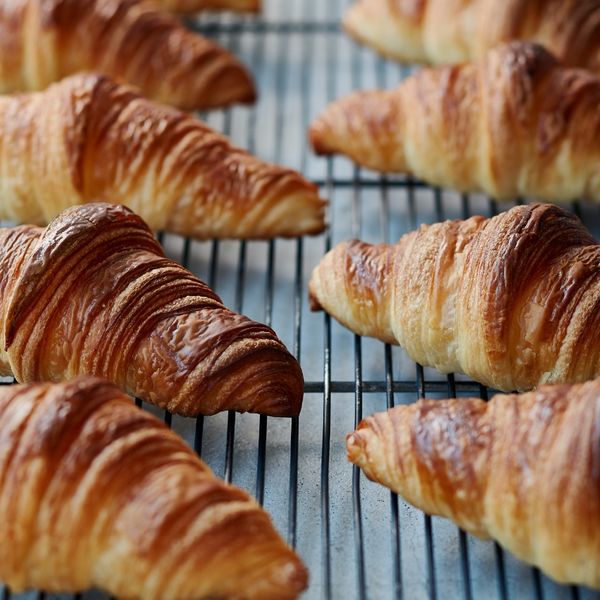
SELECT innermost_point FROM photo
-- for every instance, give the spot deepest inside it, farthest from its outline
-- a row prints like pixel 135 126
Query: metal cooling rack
pixel 358 540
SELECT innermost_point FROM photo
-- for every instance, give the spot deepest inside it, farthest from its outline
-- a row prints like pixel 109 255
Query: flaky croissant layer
pixel 93 294
pixel 89 139
pixel 439 31
pixel 512 301
pixel 96 492
pixel 515 124
pixel 523 470
pixel 131 40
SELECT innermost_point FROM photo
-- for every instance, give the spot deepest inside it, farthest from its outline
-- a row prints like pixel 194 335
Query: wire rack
pixel 358 540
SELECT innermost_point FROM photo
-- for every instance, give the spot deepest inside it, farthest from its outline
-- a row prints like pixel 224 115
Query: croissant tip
pixel 316 138
pixel 313 302
pixel 354 446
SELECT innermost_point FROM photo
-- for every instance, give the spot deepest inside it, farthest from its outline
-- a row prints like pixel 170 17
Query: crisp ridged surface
pixel 88 139
pixel 93 294
pixel 191 6
pixel 512 301
pixel 133 40
pixel 517 123
pixel 444 31
pixel 524 470
pixel 96 492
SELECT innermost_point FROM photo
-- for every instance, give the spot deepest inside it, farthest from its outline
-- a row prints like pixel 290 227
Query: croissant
pixel 96 492
pixel 191 6
pixel 515 124
pixel 42 41
pixel 93 294
pixel 512 301
pixel 520 469
pixel 88 138
pixel 442 31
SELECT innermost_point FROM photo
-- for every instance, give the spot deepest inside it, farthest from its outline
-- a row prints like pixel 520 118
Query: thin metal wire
pixel 256 60
pixel 389 393
pixel 462 536
pixel 326 437
pixel 537 584
pixel 358 414
pixel 429 552
pixel 262 428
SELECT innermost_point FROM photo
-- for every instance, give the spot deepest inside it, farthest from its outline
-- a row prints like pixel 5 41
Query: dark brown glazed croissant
pixel 93 294
pixel 448 31
pixel 515 124
pixel 42 41
pixel 191 6
pixel 524 470
pixel 96 492
pixel 89 139
pixel 512 301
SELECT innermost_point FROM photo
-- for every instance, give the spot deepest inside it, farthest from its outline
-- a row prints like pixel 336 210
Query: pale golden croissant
pixel 524 470
pixel 93 294
pixel 443 31
pixel 191 6
pixel 515 124
pixel 512 301
pixel 96 492
pixel 88 138
pixel 133 40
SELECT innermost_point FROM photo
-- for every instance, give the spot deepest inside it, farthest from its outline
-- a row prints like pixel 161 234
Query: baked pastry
pixel 191 6
pixel 515 124
pixel 97 492
pixel 42 41
pixel 89 138
pixel 93 294
pixel 442 31
pixel 512 301
pixel 520 469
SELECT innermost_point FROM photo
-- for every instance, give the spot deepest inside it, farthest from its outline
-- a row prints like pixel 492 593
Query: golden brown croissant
pixel 515 124
pixel 524 470
pixel 446 31
pixel 42 41
pixel 191 6
pixel 512 301
pixel 88 138
pixel 94 491
pixel 93 294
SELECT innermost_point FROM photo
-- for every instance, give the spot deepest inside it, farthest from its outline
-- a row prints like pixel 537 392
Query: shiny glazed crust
pixel 93 294
pixel 90 139
pixel 447 31
pixel 517 123
pixel 512 301
pixel 96 492
pixel 523 470
pixel 131 40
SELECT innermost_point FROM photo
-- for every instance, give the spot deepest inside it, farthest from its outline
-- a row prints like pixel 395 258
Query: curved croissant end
pixel 96 492
pixel 93 294
pixel 442 32
pixel 130 40
pixel 366 126
pixel 88 138
pixel 375 24
pixel 350 271
pixel 515 124
pixel 512 301
pixel 520 469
